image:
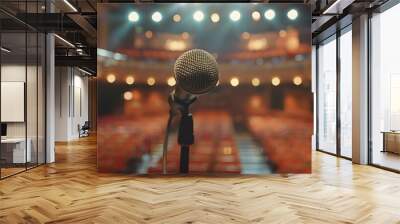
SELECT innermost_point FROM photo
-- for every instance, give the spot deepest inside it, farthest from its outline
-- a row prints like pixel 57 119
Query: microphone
pixel 196 73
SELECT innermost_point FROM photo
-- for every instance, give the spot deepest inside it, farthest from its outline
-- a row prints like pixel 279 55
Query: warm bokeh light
pixel 185 35
pixel 235 15
pixel 177 18
pixel 227 150
pixel 269 14
pixel 198 16
pixel 171 81
pixel 256 15
pixel 234 82
pixel 111 78
pixel 293 43
pixel 256 102
pixel 175 45
pixel 257 44
pixel 245 35
pixel 276 81
pixel 133 16
pixel 255 82
pixel 151 81
pixel 130 80
pixel 148 34
pixel 292 14
pixel 128 95
pixel 214 18
pixel 297 80
pixel 156 17
pixel 282 33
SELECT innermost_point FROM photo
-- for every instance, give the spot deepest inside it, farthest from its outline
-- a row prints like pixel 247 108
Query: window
pixel 346 94
pixel 385 89
pixel 22 77
pixel 327 96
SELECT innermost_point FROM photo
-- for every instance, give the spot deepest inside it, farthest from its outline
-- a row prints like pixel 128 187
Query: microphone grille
pixel 196 71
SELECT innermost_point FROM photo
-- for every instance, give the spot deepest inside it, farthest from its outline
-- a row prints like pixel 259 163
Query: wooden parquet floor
pixel 71 191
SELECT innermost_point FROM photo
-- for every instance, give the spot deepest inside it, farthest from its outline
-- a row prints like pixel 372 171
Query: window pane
pixel 346 94
pixel 385 84
pixel 14 153
pixel 327 97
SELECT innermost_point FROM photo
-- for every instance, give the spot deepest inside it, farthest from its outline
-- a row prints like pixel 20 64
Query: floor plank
pixel 72 191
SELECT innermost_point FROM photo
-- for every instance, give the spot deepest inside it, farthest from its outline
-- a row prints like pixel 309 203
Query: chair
pixel 84 130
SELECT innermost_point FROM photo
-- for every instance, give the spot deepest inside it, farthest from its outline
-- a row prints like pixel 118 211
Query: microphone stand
pixel 185 136
pixel 185 131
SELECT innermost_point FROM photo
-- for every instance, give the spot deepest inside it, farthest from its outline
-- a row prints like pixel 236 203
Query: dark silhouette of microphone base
pixel 185 140
pixel 185 131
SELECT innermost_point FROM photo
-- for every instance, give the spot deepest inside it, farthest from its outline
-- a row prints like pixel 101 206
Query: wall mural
pixel 253 108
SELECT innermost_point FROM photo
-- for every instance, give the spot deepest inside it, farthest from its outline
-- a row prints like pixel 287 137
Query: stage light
pixel 133 17
pixel 255 82
pixel 234 82
pixel 214 18
pixel 177 18
pixel 235 15
pixel 151 81
pixel 111 78
pixel 156 17
pixel 256 15
pixel 245 35
pixel 198 16
pixel 275 81
pixel 128 95
pixel 292 14
pixel 171 81
pixel 130 80
pixel 269 14
pixel 148 34
pixel 297 80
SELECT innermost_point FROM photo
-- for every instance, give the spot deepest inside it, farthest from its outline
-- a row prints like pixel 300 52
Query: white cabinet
pixel 17 147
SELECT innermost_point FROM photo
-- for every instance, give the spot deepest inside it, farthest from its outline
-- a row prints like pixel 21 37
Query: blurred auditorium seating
pixel 214 150
pixel 127 138
pixel 286 140
pixel 122 141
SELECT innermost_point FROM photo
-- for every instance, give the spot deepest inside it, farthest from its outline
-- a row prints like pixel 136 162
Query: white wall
pixel 33 126
pixel 16 73
pixel 71 103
